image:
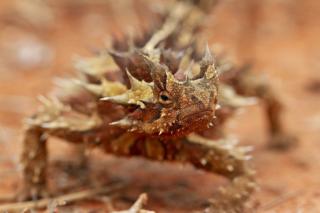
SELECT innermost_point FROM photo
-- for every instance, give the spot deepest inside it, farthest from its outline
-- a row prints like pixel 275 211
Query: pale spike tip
pixel 133 81
pixel 208 57
pixel 122 123
pixel 105 99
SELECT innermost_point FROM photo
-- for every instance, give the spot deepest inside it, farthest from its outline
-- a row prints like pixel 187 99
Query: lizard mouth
pixel 188 123
pixel 197 116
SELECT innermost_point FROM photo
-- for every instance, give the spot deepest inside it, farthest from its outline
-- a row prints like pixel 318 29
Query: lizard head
pixel 166 106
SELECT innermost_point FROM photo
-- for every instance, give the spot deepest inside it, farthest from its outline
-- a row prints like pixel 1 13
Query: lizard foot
pixel 282 142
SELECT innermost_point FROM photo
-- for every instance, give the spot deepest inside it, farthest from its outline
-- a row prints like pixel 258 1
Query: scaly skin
pixel 157 98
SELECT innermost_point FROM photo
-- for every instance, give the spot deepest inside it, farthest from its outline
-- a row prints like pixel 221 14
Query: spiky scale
pixel 139 93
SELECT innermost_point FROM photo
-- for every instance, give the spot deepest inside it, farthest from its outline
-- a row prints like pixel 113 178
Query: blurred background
pixel 39 40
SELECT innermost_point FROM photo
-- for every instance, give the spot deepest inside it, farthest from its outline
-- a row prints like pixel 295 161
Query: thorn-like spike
pixel 54 125
pixel 120 99
pixel 141 104
pixel 95 89
pixel 188 72
pixel 114 53
pixel 208 58
pixel 135 83
pixel 125 122
pixel 139 93
pixel 207 68
pixel 151 64
pixel 161 131
pixel 122 59
pixel 105 99
pixel 170 76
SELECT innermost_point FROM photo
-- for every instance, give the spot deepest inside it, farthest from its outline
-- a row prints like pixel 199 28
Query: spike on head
pixel 140 93
pixel 171 107
pixel 207 68
pixel 188 72
pixel 208 58
pixel 134 62
pixel 134 83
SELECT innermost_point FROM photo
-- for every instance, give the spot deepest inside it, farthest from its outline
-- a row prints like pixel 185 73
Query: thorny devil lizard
pixel 159 97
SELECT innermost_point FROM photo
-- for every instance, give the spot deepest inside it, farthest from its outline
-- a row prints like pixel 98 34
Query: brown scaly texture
pixel 158 97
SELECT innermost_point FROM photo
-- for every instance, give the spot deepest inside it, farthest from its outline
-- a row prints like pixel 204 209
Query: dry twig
pixel 137 206
pixel 61 200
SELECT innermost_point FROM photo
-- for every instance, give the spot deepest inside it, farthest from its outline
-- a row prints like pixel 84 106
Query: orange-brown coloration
pixel 166 103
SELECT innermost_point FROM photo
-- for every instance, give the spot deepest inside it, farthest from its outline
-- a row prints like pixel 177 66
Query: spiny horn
pixel 120 58
pixel 170 80
pixel 125 122
pixel 208 58
pixel 207 68
pixel 188 72
pixel 134 83
pixel 139 93
pixel 151 64
pixel 157 71
pixel 119 99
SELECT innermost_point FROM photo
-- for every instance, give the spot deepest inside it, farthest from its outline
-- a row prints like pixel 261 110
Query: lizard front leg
pixel 50 121
pixel 34 158
pixel 34 163
pixel 221 157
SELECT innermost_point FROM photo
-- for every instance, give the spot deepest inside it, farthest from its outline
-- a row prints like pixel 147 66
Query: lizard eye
pixel 164 98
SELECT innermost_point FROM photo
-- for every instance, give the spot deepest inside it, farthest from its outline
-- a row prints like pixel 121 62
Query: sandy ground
pixel 281 39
